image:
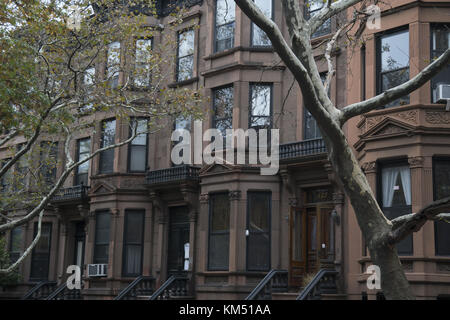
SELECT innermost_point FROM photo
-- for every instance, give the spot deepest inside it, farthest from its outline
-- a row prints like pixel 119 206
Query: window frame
pixel 11 241
pixel 45 168
pixel 210 233
pixel 433 27
pixel 77 174
pixel 141 64
pixel 216 26
pixel 126 244
pixel 378 61
pixel 252 28
pixel 130 147
pixel 112 150
pixel 95 258
pixel 114 81
pixel 437 159
pixel 250 109
pixel 394 162
pixel 33 254
pixel 177 70
pixel 214 118
pixel 269 232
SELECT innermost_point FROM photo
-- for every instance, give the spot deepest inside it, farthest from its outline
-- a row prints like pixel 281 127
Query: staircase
pixel 274 286
pixel 175 288
pixel 276 281
pixel 40 291
pixel 140 289
pixel 64 293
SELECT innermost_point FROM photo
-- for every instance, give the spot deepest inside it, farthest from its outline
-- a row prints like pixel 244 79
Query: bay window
pixel 441 189
pixel 133 240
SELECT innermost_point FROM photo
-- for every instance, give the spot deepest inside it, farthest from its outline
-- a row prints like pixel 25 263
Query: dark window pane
pixel 138 147
pixel 219 228
pixel 185 65
pixel 258 225
pixel 49 158
pixel 441 180
pixel 133 238
pixel 41 253
pixel 102 226
pixel 16 241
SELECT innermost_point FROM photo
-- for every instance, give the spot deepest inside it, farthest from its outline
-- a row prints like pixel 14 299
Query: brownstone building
pixel 216 231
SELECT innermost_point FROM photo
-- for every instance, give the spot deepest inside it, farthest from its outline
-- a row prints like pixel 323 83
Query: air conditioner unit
pixel 97 270
pixel 443 94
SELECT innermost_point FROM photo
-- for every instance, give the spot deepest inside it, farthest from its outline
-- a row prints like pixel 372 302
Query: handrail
pixel 308 290
pixel 131 288
pixel 276 279
pixel 166 286
pixel 37 287
pixel 74 294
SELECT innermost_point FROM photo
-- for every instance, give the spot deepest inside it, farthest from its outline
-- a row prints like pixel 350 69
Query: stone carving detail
pixel 371 122
pixel 437 117
pixel 293 202
pixel 415 162
pixel 408 116
pixel 390 129
pixel 370 166
pixel 193 216
pixel 442 266
pixel 162 217
pixel 234 195
pixel 204 198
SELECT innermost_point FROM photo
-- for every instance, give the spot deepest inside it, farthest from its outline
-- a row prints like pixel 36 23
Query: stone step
pixel 172 298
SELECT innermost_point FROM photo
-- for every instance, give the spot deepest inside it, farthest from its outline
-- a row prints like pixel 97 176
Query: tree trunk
pixel 371 220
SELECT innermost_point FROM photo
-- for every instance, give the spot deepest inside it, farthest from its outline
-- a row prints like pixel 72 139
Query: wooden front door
pixel 311 240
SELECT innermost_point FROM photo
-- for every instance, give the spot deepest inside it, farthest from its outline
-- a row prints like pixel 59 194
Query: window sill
pixel 238 48
pixel 183 83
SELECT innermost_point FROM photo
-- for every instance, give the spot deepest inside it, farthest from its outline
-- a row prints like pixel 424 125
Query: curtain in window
pixel 406 182
pixel 389 177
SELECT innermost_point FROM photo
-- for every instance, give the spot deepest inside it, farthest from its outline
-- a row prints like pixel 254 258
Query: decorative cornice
pixel 234 195
pixel 435 117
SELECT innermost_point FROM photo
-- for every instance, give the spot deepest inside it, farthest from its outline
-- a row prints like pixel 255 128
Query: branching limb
pixel 407 224
pixel 397 92
pixel 28 250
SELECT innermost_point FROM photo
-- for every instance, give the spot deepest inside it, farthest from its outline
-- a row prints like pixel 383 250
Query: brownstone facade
pixel 310 224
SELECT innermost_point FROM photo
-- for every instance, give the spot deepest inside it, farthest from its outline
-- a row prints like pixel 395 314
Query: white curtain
pixel 389 177
pixel 405 175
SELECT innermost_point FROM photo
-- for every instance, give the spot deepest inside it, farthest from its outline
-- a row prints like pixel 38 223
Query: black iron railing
pixel 40 291
pixel 79 192
pixel 141 286
pixel 324 282
pixel 302 148
pixel 178 173
pixel 174 287
pixel 64 293
pixel 274 281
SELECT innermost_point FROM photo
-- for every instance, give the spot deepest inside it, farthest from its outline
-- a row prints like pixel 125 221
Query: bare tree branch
pixel 407 224
pixel 397 92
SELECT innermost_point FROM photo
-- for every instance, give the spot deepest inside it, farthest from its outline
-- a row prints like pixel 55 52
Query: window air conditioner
pixel 443 94
pixel 97 270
